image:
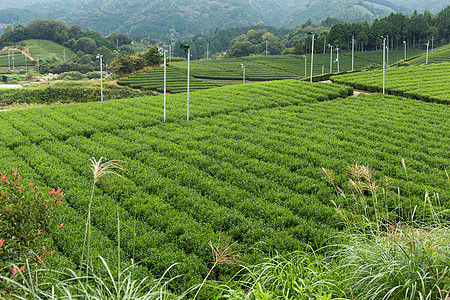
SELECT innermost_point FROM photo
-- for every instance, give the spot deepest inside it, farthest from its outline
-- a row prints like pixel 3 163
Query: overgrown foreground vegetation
pixel 264 163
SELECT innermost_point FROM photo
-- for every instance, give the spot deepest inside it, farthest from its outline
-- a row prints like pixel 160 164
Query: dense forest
pixel 416 30
pixel 179 19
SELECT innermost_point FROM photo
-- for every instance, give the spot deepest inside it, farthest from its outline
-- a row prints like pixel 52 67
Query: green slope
pixel 47 50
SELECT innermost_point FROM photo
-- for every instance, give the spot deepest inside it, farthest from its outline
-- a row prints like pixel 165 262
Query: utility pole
pixel 337 58
pixel 101 76
pixel 404 42
pixel 243 67
pixel 163 52
pixel 387 52
pixel 384 62
pixel 304 56
pixel 432 44
pixel 353 50
pixel 331 58
pixel 428 44
pixel 312 56
pixel 188 50
pixel 324 44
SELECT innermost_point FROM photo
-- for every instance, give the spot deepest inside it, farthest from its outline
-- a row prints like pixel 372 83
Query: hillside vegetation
pixel 178 19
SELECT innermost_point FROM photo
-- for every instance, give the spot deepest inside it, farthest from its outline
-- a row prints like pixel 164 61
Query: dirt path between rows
pixel 355 91
pixel 24 52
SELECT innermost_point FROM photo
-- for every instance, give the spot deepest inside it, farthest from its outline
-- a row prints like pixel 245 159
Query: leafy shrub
pixel 72 75
pixel 95 75
pixel 25 226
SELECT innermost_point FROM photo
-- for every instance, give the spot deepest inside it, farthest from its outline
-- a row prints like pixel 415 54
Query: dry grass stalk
pixel 100 169
pixel 223 253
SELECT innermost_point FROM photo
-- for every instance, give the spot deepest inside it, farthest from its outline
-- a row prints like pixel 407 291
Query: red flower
pixel 14 270
pixel 57 193
pixel 20 177
pixel 31 184
pixel 2 242
pixel 44 248
pixel 14 172
pixel 59 226
pixel 53 251
pixel 3 193
pixel 4 178
pixel 39 232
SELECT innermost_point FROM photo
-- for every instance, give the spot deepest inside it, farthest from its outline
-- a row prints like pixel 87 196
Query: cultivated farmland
pixel 423 82
pixel 247 163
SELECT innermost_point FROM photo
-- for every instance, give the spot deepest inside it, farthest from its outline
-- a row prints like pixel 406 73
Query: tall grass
pixel 380 255
pixel 70 285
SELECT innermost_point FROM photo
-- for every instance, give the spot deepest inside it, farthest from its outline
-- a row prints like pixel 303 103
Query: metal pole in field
pixel 404 42
pixel 164 86
pixel 331 58
pixel 323 69
pixel 243 67
pixel 189 61
pixel 428 44
pixel 337 59
pixel 304 56
pixel 163 52
pixel 188 50
pixel 170 54
pixel 384 62
pixel 432 44
pixel 312 57
pixel 101 76
pixel 387 52
pixel 353 49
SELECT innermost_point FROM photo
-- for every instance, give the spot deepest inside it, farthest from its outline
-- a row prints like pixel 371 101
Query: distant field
pixel 176 81
pixel 439 55
pixel 289 66
pixel 425 82
pixel 257 68
pixel 47 50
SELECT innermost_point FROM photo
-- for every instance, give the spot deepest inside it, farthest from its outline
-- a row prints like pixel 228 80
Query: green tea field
pixel 257 68
pixel 248 164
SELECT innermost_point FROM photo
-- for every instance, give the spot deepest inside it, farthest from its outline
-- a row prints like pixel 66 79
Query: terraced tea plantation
pixel 176 81
pixel 257 68
pixel 19 59
pixel 247 164
pixel 424 82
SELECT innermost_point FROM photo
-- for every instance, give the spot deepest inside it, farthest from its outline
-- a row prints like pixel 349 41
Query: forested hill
pixel 181 18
